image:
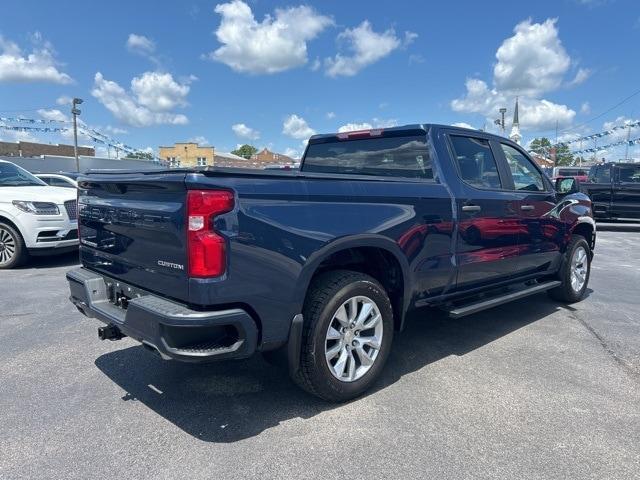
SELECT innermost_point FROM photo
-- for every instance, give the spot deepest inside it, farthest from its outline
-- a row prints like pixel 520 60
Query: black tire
pixel 327 293
pixel 566 292
pixel 13 252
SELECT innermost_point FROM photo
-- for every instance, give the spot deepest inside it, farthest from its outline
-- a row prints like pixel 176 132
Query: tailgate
pixel 132 228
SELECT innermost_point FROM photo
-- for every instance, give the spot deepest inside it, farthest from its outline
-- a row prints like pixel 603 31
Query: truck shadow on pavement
pixel 230 401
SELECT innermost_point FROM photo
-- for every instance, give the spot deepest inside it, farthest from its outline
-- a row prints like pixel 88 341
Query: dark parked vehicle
pixel 319 267
pixel 614 189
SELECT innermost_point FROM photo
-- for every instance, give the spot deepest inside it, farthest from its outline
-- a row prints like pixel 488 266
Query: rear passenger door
pixel 600 189
pixel 488 219
pixel 541 234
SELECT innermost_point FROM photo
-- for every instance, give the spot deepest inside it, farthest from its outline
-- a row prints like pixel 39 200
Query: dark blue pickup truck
pixel 319 267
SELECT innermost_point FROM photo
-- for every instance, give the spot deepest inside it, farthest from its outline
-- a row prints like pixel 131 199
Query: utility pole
pixel 580 157
pixel 75 112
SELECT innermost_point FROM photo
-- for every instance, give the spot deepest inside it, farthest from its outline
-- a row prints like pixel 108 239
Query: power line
pixel 626 99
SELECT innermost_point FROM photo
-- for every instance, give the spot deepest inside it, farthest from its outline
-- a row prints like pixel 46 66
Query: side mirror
pixel 565 186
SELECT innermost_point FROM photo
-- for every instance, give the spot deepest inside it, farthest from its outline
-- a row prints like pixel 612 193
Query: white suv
pixel 35 218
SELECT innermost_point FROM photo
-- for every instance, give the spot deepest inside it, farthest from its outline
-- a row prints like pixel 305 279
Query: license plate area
pixel 119 294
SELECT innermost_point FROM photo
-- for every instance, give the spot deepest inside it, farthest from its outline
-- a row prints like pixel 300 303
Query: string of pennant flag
pixel 635 141
pixel 605 133
pixel 93 134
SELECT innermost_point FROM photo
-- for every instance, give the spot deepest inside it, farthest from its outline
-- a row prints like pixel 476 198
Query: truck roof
pixel 410 129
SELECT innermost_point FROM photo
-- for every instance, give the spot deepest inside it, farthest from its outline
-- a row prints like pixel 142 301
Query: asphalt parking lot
pixel 532 389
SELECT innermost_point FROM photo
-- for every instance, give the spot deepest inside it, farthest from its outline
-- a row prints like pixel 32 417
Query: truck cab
pixel 614 189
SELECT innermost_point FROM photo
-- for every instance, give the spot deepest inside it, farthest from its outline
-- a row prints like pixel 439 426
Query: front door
pixel 541 236
pixel 626 192
pixel 488 219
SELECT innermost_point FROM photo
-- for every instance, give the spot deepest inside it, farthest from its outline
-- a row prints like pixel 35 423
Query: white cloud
pixel 38 66
pixel 140 44
pixel 581 76
pixel 199 139
pixel 374 123
pixel 315 65
pixel 17 136
pixel 243 131
pixel 115 130
pixel 364 46
pixel 53 114
pixel 292 152
pixel 159 91
pixel 585 108
pixel 63 100
pixel 331 115
pixel 622 133
pixel 352 127
pixel 276 44
pixel 535 114
pixel 297 127
pixel 532 61
pixel 463 125
pixel 153 95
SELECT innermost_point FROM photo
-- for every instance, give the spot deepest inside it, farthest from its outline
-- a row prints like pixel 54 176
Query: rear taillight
pixel 206 249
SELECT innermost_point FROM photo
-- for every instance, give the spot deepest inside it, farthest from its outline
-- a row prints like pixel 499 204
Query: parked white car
pixel 35 218
pixel 66 180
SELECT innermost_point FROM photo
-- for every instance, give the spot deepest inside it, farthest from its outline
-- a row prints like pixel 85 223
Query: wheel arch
pixel 586 227
pixel 336 255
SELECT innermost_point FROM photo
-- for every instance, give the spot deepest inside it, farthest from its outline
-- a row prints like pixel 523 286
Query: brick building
pixel 187 154
pixel 32 149
pixel 265 157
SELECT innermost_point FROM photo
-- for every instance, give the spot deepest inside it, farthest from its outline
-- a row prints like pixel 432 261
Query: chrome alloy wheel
pixel 354 338
pixel 579 269
pixel 7 246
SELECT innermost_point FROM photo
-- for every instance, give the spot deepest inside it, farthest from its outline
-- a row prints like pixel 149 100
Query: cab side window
pixel 525 175
pixel 630 174
pixel 476 162
pixel 600 174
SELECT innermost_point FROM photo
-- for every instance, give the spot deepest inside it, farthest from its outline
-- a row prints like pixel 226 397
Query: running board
pixel 457 312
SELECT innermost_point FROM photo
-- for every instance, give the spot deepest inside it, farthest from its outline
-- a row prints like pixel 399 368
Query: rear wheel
pixel 12 249
pixel 575 272
pixel 347 335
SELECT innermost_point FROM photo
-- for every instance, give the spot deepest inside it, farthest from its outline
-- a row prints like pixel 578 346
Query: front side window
pixel 385 156
pixel 600 174
pixel 630 173
pixel 476 162
pixel 525 175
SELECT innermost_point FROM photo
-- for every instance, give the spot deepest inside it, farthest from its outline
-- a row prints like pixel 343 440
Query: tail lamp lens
pixel 206 249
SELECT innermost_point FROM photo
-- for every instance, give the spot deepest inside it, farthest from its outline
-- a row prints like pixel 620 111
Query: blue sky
pixel 272 73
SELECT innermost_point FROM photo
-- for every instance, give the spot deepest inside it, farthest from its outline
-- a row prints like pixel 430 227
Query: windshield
pixel 13 176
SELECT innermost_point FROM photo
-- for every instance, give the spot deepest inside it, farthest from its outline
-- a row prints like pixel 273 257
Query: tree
pixel 564 157
pixel 140 155
pixel 245 151
pixel 543 147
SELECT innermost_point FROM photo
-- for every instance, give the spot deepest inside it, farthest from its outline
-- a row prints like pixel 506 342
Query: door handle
pixel 471 208
pixel 527 208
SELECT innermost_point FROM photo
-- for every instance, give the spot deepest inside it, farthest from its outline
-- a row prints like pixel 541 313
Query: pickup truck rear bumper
pixel 173 330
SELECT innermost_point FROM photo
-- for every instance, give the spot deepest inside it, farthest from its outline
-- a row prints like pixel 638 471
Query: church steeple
pixel 515 128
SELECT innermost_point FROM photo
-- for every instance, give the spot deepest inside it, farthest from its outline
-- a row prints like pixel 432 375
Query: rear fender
pixel 355 241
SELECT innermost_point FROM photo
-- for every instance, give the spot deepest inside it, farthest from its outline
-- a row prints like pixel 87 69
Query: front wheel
pixel 12 249
pixel 575 272
pixel 348 329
